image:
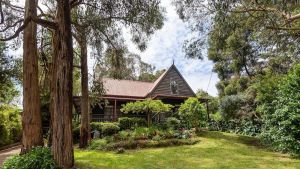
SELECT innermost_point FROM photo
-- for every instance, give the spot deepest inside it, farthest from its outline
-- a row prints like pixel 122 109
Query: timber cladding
pixel 172 83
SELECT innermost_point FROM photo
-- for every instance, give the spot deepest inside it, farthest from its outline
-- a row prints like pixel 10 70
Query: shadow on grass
pixel 234 138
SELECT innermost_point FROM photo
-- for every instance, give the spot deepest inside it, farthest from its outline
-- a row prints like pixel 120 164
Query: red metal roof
pixel 131 88
pixel 115 87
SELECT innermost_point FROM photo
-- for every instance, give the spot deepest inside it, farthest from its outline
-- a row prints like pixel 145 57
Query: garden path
pixel 9 152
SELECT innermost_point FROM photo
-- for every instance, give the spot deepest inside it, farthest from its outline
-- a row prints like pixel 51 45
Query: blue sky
pixel 166 45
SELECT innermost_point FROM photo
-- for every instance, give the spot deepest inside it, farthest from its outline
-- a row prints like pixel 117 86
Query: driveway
pixel 9 152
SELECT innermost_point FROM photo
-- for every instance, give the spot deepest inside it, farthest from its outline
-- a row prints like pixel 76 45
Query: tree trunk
pixel 149 119
pixel 31 117
pixel 62 141
pixel 85 115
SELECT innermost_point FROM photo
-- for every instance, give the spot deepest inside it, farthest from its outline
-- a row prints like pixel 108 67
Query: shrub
pixel 96 126
pixel 10 125
pixel 134 144
pixel 39 157
pixel 109 129
pixel 282 117
pixel 230 106
pixel 192 113
pixel 130 123
pixel 97 144
pixel 173 123
pixel 105 128
pixel 184 134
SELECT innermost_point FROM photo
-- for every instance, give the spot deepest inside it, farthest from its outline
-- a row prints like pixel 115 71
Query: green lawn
pixel 215 150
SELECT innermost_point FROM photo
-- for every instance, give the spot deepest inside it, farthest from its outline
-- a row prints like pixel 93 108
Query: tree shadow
pixel 234 138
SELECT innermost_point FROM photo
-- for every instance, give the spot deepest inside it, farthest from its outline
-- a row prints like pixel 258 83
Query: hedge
pixel 131 123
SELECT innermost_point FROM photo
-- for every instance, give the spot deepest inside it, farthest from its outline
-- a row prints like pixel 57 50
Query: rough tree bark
pixel 85 115
pixel 62 142
pixel 31 117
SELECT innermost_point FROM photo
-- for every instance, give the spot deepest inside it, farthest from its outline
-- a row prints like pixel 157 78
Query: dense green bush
pixel 282 117
pixel 173 123
pixel 37 158
pixel 192 113
pixel 230 106
pixel 10 125
pixel 130 123
pixel 250 127
pixel 105 128
pixel 109 129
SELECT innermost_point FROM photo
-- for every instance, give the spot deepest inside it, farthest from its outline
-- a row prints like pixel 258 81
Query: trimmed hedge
pixel 105 128
pixel 126 123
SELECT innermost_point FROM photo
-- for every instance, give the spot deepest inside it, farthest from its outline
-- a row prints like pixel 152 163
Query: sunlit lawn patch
pixel 215 150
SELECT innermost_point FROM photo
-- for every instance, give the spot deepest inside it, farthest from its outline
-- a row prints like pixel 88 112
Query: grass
pixel 215 150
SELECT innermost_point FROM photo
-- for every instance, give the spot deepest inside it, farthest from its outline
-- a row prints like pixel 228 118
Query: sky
pixel 166 45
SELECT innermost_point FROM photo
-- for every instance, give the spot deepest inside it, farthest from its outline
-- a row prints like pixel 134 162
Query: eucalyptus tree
pixel 101 22
pixel 12 21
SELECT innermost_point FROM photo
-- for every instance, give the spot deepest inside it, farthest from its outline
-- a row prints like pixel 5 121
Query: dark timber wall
pixel 164 88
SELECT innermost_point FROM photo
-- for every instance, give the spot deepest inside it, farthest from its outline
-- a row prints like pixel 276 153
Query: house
pixel 170 87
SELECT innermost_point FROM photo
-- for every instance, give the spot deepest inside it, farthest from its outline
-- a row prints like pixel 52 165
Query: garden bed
pixel 101 144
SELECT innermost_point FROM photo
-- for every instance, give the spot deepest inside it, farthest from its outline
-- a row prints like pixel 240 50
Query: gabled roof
pixel 137 89
pixel 129 88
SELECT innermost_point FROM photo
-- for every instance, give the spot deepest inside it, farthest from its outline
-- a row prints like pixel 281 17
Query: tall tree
pixel 61 97
pixel 31 117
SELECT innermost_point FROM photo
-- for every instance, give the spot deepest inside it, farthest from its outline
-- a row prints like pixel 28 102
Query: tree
pixel 147 106
pixel 281 117
pixel 31 116
pixel 150 76
pixel 101 22
pixel 9 75
pixel 192 113
pixel 61 90
pixel 211 101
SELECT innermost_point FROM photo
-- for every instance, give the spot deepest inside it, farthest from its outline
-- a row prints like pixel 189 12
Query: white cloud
pixel 166 45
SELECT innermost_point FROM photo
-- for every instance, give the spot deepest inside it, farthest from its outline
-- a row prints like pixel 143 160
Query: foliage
pixel 9 76
pixel 184 134
pixel 173 123
pixel 213 102
pixel 10 125
pixel 147 106
pixel 105 128
pixel 130 123
pixel 109 129
pixel 192 113
pixel 134 144
pixel 282 119
pixel 230 106
pixel 150 76
pixel 39 157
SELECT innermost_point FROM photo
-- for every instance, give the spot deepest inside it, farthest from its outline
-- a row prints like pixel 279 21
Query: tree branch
pixel 283 28
pixel 10 26
pixel 45 23
pixel 16 34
